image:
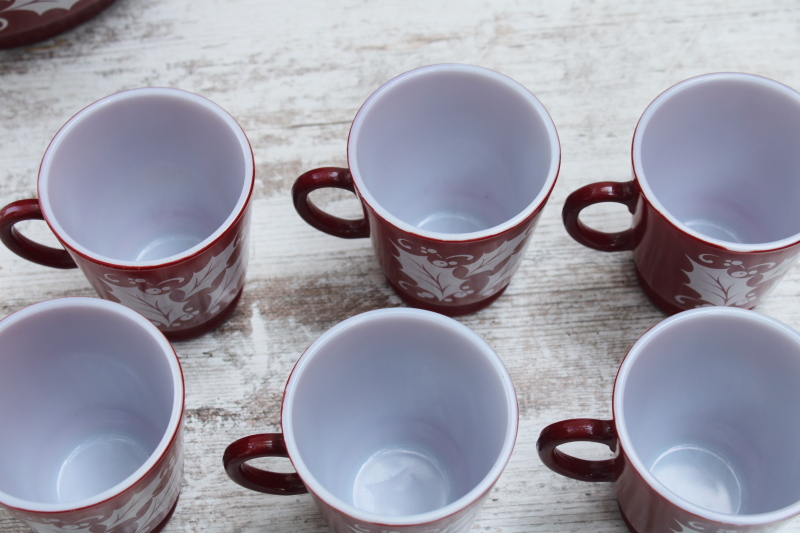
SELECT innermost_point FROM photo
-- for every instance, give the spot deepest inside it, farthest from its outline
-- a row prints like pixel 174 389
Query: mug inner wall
pixel 707 406
pixel 145 177
pixel 399 417
pixel 85 399
pixel 722 156
pixel 453 151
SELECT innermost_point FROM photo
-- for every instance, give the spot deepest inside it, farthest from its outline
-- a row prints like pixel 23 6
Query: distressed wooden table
pixel 294 74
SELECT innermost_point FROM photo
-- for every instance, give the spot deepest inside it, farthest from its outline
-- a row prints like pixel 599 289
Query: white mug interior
pixel 719 155
pixel 454 150
pixel 91 395
pixel 399 416
pixel 145 176
pixel 704 406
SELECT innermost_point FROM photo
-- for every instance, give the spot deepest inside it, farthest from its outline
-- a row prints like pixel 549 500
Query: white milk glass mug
pixel 395 420
pixel 704 429
pixel 148 191
pixel 714 195
pixel 453 165
pixel 91 417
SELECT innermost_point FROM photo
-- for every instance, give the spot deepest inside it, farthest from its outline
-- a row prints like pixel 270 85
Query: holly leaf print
pixel 224 289
pixel 778 270
pixel 163 495
pixel 687 529
pixel 40 6
pixel 490 260
pixel 497 279
pixel 158 308
pixel 435 281
pixel 716 287
pixel 205 278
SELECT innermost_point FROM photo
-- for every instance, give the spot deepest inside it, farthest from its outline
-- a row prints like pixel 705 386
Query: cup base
pixel 447 310
pixel 402 480
pixel 205 327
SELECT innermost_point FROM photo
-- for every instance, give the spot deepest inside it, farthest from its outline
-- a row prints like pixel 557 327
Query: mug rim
pixel 244 196
pixel 629 450
pixel 176 416
pixel 474 495
pixel 537 203
pixel 647 191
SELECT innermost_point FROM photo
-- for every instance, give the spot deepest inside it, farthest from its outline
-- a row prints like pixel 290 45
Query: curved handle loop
pixel 320 178
pixel 23 246
pixel 605 191
pixel 579 429
pixel 264 445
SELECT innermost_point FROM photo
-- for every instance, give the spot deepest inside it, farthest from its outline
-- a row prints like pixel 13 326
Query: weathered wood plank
pixel 294 75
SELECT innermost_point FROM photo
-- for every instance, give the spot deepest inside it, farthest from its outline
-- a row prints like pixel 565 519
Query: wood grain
pixel 294 74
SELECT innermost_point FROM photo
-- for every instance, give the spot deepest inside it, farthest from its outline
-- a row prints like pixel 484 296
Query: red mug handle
pixel 579 429
pixel 23 246
pixel 320 178
pixel 265 445
pixel 605 191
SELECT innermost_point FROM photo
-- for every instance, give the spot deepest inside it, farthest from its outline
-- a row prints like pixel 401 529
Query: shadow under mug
pixel 704 426
pixel 714 196
pixel 453 165
pixel 396 419
pixel 91 409
pixel 148 190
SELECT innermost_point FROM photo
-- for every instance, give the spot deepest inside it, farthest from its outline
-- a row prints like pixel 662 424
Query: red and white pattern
pixel 446 279
pixel 731 282
pixel 37 6
pixel 182 302
pixel 141 508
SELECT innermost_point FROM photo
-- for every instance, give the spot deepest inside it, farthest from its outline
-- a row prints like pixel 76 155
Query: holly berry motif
pixel 731 282
pixel 450 278
pixel 37 6
pixel 176 302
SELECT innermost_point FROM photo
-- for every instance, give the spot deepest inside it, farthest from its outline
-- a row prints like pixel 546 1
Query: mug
pixel 714 195
pixel 91 406
pixel 148 190
pixel 396 419
pixel 703 427
pixel 453 165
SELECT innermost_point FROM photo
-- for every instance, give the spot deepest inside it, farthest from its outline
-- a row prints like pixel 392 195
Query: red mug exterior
pixel 453 272
pixel 677 266
pixel 142 502
pixel 343 516
pixel 450 277
pixel 643 509
pixel 646 504
pixel 24 24
pixel 184 299
pixel 185 292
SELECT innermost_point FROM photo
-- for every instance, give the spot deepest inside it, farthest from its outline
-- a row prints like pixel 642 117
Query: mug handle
pixel 605 191
pixel 23 246
pixel 320 178
pixel 579 429
pixel 264 445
